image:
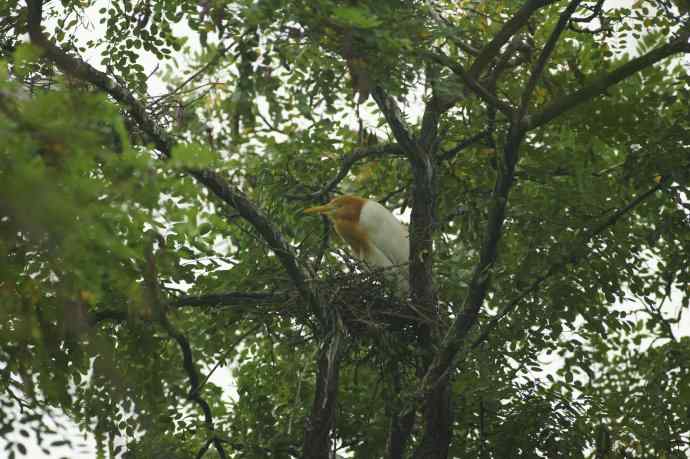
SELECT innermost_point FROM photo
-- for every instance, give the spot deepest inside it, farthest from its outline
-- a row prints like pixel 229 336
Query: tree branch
pixel 85 72
pixel 395 119
pixel 600 84
pixel 318 426
pixel 421 155
pixel 438 372
pixel 550 45
pixel 153 292
pixel 231 299
pixel 511 27
pixel 261 223
pixel 374 151
pixel 472 83
pixel 466 143
pixel 164 143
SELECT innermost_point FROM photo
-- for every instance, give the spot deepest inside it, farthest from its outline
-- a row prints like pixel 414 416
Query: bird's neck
pixel 354 235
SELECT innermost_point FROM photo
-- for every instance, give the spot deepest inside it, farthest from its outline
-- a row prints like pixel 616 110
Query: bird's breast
pixel 354 235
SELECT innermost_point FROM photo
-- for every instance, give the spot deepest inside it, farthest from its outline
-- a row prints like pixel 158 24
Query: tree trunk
pixel 438 419
pixel 318 426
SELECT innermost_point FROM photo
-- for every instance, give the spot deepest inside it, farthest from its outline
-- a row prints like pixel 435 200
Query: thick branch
pixel 164 143
pixel 85 72
pixel 437 375
pixel 550 45
pixel 493 48
pixel 317 430
pixel 395 119
pixel 399 433
pixel 600 84
pixel 421 155
pixel 423 194
pixel 262 224
pixel 569 258
pixel 402 416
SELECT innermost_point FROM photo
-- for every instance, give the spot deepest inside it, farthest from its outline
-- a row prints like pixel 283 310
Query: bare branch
pixel 231 299
pixel 202 70
pixel 600 84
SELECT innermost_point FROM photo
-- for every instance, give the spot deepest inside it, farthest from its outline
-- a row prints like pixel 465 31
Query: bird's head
pixel 340 208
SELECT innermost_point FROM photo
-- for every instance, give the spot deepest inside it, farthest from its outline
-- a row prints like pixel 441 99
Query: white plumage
pixel 386 234
pixel 373 233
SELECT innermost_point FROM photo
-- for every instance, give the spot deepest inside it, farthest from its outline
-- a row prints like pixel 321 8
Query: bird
pixel 373 233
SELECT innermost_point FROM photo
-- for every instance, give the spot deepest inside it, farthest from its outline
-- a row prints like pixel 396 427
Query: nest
pixel 370 302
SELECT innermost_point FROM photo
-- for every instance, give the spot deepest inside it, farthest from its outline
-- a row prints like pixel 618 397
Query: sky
pixel 222 376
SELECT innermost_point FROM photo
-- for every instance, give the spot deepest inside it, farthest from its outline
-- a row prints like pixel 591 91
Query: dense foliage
pixel 540 148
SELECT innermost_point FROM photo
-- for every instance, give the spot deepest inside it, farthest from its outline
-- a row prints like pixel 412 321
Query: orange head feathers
pixel 345 207
pixel 345 212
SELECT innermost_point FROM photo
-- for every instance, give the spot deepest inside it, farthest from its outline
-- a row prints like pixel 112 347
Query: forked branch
pixel 600 84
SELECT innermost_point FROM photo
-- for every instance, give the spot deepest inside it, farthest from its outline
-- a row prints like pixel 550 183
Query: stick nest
pixel 370 301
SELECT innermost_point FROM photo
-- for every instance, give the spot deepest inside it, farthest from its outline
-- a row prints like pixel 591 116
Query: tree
pixel 540 147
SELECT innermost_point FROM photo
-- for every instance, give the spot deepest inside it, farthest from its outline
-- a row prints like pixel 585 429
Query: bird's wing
pixel 385 232
pixel 398 275
pixel 376 258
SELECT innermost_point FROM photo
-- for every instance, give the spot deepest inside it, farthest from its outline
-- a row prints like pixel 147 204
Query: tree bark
pixel 320 422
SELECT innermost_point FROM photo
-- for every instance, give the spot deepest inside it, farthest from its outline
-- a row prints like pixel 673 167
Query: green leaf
pixel 359 17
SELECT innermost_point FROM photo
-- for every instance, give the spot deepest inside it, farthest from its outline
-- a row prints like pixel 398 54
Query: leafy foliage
pixel 129 276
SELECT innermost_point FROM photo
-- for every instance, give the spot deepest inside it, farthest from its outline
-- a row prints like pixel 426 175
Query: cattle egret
pixel 373 233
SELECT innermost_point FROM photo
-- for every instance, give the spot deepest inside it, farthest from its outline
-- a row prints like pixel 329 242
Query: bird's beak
pixel 325 209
